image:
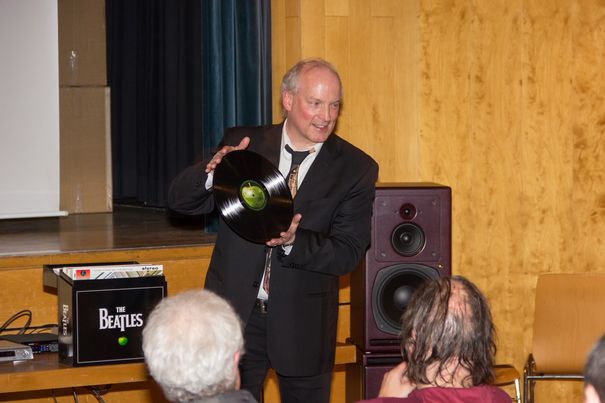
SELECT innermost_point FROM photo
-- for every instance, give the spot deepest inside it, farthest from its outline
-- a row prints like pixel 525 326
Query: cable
pixel 24 312
pixel 41 328
pixel 97 391
pixel 74 394
pixel 33 329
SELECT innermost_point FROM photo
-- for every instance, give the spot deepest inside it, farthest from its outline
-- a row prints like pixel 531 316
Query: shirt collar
pixel 285 139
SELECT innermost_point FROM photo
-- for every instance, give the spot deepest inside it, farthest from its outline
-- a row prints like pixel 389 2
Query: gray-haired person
pixel 192 344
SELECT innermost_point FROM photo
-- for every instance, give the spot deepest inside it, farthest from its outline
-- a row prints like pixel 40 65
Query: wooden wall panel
pixel 405 153
pixel 381 77
pixel 357 99
pixel 338 32
pixel 547 153
pixel 495 73
pixel 285 44
pixel 25 284
pixel 588 126
pixel 503 101
pixel 313 24
pixel 337 8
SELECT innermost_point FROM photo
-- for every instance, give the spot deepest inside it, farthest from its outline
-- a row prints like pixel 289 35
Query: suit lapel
pixel 269 144
pixel 320 172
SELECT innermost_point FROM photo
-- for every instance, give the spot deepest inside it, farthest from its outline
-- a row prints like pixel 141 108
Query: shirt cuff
pixel 209 180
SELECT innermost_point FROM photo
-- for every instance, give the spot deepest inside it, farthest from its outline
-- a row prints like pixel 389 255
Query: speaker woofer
pixel 392 290
pixel 408 239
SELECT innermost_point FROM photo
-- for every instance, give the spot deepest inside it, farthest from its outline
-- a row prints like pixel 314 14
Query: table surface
pixel 46 372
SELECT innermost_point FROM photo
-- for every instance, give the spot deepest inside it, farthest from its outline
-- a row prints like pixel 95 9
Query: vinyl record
pixel 252 196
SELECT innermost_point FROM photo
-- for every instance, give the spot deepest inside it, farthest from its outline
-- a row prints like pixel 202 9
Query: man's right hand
pixel 218 157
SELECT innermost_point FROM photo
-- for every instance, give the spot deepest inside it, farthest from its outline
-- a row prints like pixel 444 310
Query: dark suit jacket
pixel 335 200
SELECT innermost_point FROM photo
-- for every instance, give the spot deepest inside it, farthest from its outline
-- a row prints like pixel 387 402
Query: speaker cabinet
pixel 365 376
pixel 411 242
pixel 374 368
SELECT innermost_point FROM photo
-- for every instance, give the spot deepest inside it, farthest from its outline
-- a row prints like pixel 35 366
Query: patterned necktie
pixel 297 158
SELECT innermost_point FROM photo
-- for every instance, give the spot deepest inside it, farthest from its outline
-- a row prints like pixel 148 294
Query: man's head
pixel 448 334
pixel 311 93
pixel 192 343
pixel 594 374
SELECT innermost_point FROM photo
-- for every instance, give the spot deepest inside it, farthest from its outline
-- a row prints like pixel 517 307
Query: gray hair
pixel 289 82
pixel 189 342
pixel 594 369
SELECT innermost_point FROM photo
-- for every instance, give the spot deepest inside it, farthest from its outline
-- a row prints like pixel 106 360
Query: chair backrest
pixel 569 317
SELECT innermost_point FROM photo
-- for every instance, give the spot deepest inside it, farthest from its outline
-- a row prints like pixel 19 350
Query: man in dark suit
pixel 291 325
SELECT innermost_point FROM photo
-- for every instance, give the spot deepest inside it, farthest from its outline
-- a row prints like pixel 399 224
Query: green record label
pixel 253 195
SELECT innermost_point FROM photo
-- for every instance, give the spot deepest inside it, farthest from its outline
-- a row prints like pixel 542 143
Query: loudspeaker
pixel 411 242
pixel 374 367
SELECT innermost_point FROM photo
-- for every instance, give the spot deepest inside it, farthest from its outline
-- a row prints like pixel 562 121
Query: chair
pixel 568 319
pixel 506 375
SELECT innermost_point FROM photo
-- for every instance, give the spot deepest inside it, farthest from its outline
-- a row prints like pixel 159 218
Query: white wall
pixel 29 109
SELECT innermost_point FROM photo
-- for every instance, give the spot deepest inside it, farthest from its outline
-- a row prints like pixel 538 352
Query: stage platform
pixel 125 228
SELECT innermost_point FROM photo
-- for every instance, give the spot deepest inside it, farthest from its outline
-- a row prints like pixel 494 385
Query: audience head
pixel 448 334
pixel 594 374
pixel 192 343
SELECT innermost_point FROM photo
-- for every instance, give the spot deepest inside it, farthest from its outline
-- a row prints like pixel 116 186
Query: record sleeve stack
pixel 102 272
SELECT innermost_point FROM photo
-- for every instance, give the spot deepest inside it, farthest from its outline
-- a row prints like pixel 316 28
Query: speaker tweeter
pixel 407 211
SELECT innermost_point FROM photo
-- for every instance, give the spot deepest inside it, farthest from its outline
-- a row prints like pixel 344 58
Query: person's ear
pixel 236 358
pixel 590 394
pixel 287 100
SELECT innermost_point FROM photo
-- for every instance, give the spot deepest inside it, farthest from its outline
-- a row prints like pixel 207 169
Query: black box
pixel 101 321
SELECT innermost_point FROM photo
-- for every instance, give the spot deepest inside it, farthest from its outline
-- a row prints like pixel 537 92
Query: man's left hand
pixel 286 238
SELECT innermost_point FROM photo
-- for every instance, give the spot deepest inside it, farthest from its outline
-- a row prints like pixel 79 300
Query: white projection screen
pixel 29 109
